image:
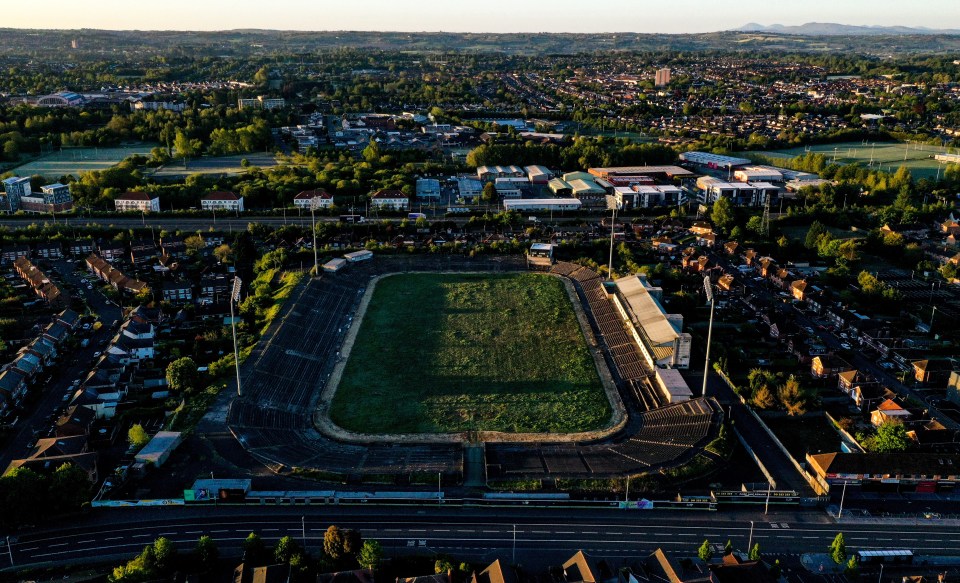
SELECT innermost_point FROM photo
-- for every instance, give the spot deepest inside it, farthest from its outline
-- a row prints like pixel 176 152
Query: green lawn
pixel 918 158
pixel 454 352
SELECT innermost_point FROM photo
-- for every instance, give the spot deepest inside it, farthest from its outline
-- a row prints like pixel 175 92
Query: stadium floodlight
pixel 708 289
pixel 314 202
pixel 235 297
pixel 613 225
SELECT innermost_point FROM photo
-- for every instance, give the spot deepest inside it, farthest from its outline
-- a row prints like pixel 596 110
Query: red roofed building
pixel 324 199
pixel 137 201
pixel 227 201
pixel 390 200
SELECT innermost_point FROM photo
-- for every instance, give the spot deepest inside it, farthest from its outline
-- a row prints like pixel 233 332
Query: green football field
pixel 889 156
pixel 460 352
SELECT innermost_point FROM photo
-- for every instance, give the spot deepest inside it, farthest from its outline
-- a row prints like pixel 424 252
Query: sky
pixel 643 16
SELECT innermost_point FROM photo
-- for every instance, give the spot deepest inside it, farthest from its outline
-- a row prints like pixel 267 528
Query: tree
pixel 372 152
pixel 755 552
pixel 262 76
pixel 852 569
pixel 891 437
pixel 333 543
pixel 722 213
pixel 137 436
pixel 352 542
pixel 489 194
pixel 813 234
pixel 222 253
pixel 165 555
pixel 69 487
pixel 763 398
pixel 254 551
pixel 442 565
pixel 370 554
pixel 793 397
pixel 705 552
pixel 194 244
pixel 182 375
pixel 838 549
pixel 207 553
pixel 728 548
pixel 286 548
pixel 184 147
pixel 755 224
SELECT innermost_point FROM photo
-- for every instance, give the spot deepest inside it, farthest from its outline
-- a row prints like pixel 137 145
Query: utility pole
pixel 303 530
pixel 513 560
pixel 313 223
pixel 10 549
pixel 708 288
pixel 750 541
pixel 235 297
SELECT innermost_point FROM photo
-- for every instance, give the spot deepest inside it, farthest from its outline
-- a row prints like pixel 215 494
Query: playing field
pixel 455 352
pixel 217 166
pixel 73 161
pixel 918 158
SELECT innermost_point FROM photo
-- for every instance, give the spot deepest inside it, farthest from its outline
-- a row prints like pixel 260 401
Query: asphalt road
pixel 34 423
pixel 539 538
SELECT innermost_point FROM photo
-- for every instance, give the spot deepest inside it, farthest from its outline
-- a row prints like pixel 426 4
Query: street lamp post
pixel 235 297
pixel 708 288
pixel 10 550
pixel 750 541
pixel 303 530
pixel 843 495
pixel 313 223
pixel 514 560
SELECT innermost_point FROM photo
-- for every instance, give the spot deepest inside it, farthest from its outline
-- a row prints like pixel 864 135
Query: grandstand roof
pixel 647 311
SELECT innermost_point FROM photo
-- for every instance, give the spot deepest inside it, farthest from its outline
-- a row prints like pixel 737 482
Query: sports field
pixel 440 353
pixel 218 166
pixel 918 158
pixel 76 160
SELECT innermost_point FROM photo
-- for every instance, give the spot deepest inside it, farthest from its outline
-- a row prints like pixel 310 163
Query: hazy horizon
pixel 496 16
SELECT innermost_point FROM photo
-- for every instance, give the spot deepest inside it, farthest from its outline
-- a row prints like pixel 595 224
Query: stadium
pixel 282 417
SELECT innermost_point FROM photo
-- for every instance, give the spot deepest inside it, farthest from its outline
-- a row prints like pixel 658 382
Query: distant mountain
pixel 833 29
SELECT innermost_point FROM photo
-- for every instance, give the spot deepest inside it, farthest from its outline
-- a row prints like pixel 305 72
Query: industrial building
pixel 648 196
pixel 627 175
pixel 739 193
pixel 510 187
pixel 539 174
pixel 469 188
pixel 428 188
pixel 542 204
pixel 713 160
pixel 491 173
